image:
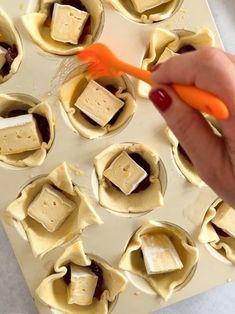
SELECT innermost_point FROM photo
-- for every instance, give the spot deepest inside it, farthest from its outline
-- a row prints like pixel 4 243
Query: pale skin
pixel 213 157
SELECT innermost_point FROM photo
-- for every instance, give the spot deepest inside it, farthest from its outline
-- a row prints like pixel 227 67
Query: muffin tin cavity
pixel 81 283
pixel 11 52
pixel 26 132
pixel 165 44
pixel 147 12
pixel 218 231
pixel 52 27
pixel 169 250
pixel 145 194
pixel 97 108
pixel 51 211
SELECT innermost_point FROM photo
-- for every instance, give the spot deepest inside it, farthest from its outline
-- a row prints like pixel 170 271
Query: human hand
pixel 213 157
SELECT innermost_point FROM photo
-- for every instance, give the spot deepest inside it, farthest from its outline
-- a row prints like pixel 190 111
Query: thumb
pixel 190 127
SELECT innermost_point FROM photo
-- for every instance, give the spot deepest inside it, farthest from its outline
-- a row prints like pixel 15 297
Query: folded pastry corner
pixel 64 27
pixel 81 283
pixel 163 255
pixel 11 51
pixel 218 229
pixel 96 108
pixel 52 211
pixel 129 178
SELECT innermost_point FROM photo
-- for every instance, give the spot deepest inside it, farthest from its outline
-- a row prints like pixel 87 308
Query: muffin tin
pixel 39 76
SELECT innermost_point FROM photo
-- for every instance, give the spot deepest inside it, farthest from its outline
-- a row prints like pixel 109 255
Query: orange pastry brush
pixel 102 62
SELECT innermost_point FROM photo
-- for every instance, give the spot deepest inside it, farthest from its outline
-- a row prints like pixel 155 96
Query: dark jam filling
pixel 78 5
pixel 186 48
pixel 41 121
pixel 10 56
pixel 112 89
pixel 143 164
pixel 220 232
pixel 95 268
pixel 67 276
pixel 183 153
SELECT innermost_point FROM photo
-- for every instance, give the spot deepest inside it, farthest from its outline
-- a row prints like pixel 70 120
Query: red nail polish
pixel 155 67
pixel 160 99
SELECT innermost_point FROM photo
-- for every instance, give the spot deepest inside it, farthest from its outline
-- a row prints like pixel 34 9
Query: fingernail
pixel 155 67
pixel 161 99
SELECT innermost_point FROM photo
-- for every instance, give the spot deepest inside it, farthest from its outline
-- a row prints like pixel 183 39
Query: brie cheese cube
pixel 144 5
pixel 19 134
pixel 3 52
pixel 166 55
pixel 160 255
pixel 82 287
pixel 98 103
pixel 125 173
pixel 225 219
pixel 50 208
pixel 67 23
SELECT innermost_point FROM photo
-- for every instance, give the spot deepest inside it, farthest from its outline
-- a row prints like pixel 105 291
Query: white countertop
pixel 14 295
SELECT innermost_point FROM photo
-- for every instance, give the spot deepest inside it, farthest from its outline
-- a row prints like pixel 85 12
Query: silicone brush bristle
pixel 99 61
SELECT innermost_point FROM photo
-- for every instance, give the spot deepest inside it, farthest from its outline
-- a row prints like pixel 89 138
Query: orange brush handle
pixel 202 101
pixel 191 95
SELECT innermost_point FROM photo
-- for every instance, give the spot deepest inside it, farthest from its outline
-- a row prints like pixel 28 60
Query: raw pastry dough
pixel 114 199
pixel 163 284
pixel 53 290
pixel 160 12
pixel 224 245
pixel 186 167
pixel 41 240
pixel 29 158
pixel 72 89
pixel 35 25
pixel 162 39
pixel 9 35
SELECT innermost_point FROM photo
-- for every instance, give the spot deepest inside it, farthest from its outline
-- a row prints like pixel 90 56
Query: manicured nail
pixel 160 99
pixel 155 67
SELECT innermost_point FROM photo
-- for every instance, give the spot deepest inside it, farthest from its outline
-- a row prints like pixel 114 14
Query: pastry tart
pixel 11 52
pixel 181 158
pixel 218 229
pixel 163 255
pixel 146 11
pixel 51 211
pixel 165 44
pixel 129 178
pixel 64 27
pixel 96 108
pixel 81 283
pixel 26 131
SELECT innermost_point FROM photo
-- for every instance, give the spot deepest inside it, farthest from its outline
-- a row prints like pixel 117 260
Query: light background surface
pixel 14 295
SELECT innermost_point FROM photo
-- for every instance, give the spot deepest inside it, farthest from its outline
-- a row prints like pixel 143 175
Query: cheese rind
pixel 144 5
pixel 3 52
pixel 160 255
pixel 98 103
pixel 82 287
pixel 67 23
pixel 125 173
pixel 166 55
pixel 50 208
pixel 19 134
pixel 225 219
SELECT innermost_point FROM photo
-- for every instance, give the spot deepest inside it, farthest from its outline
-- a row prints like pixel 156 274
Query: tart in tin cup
pixel 38 25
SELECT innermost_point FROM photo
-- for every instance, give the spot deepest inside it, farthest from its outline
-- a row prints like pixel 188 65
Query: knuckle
pixel 208 55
